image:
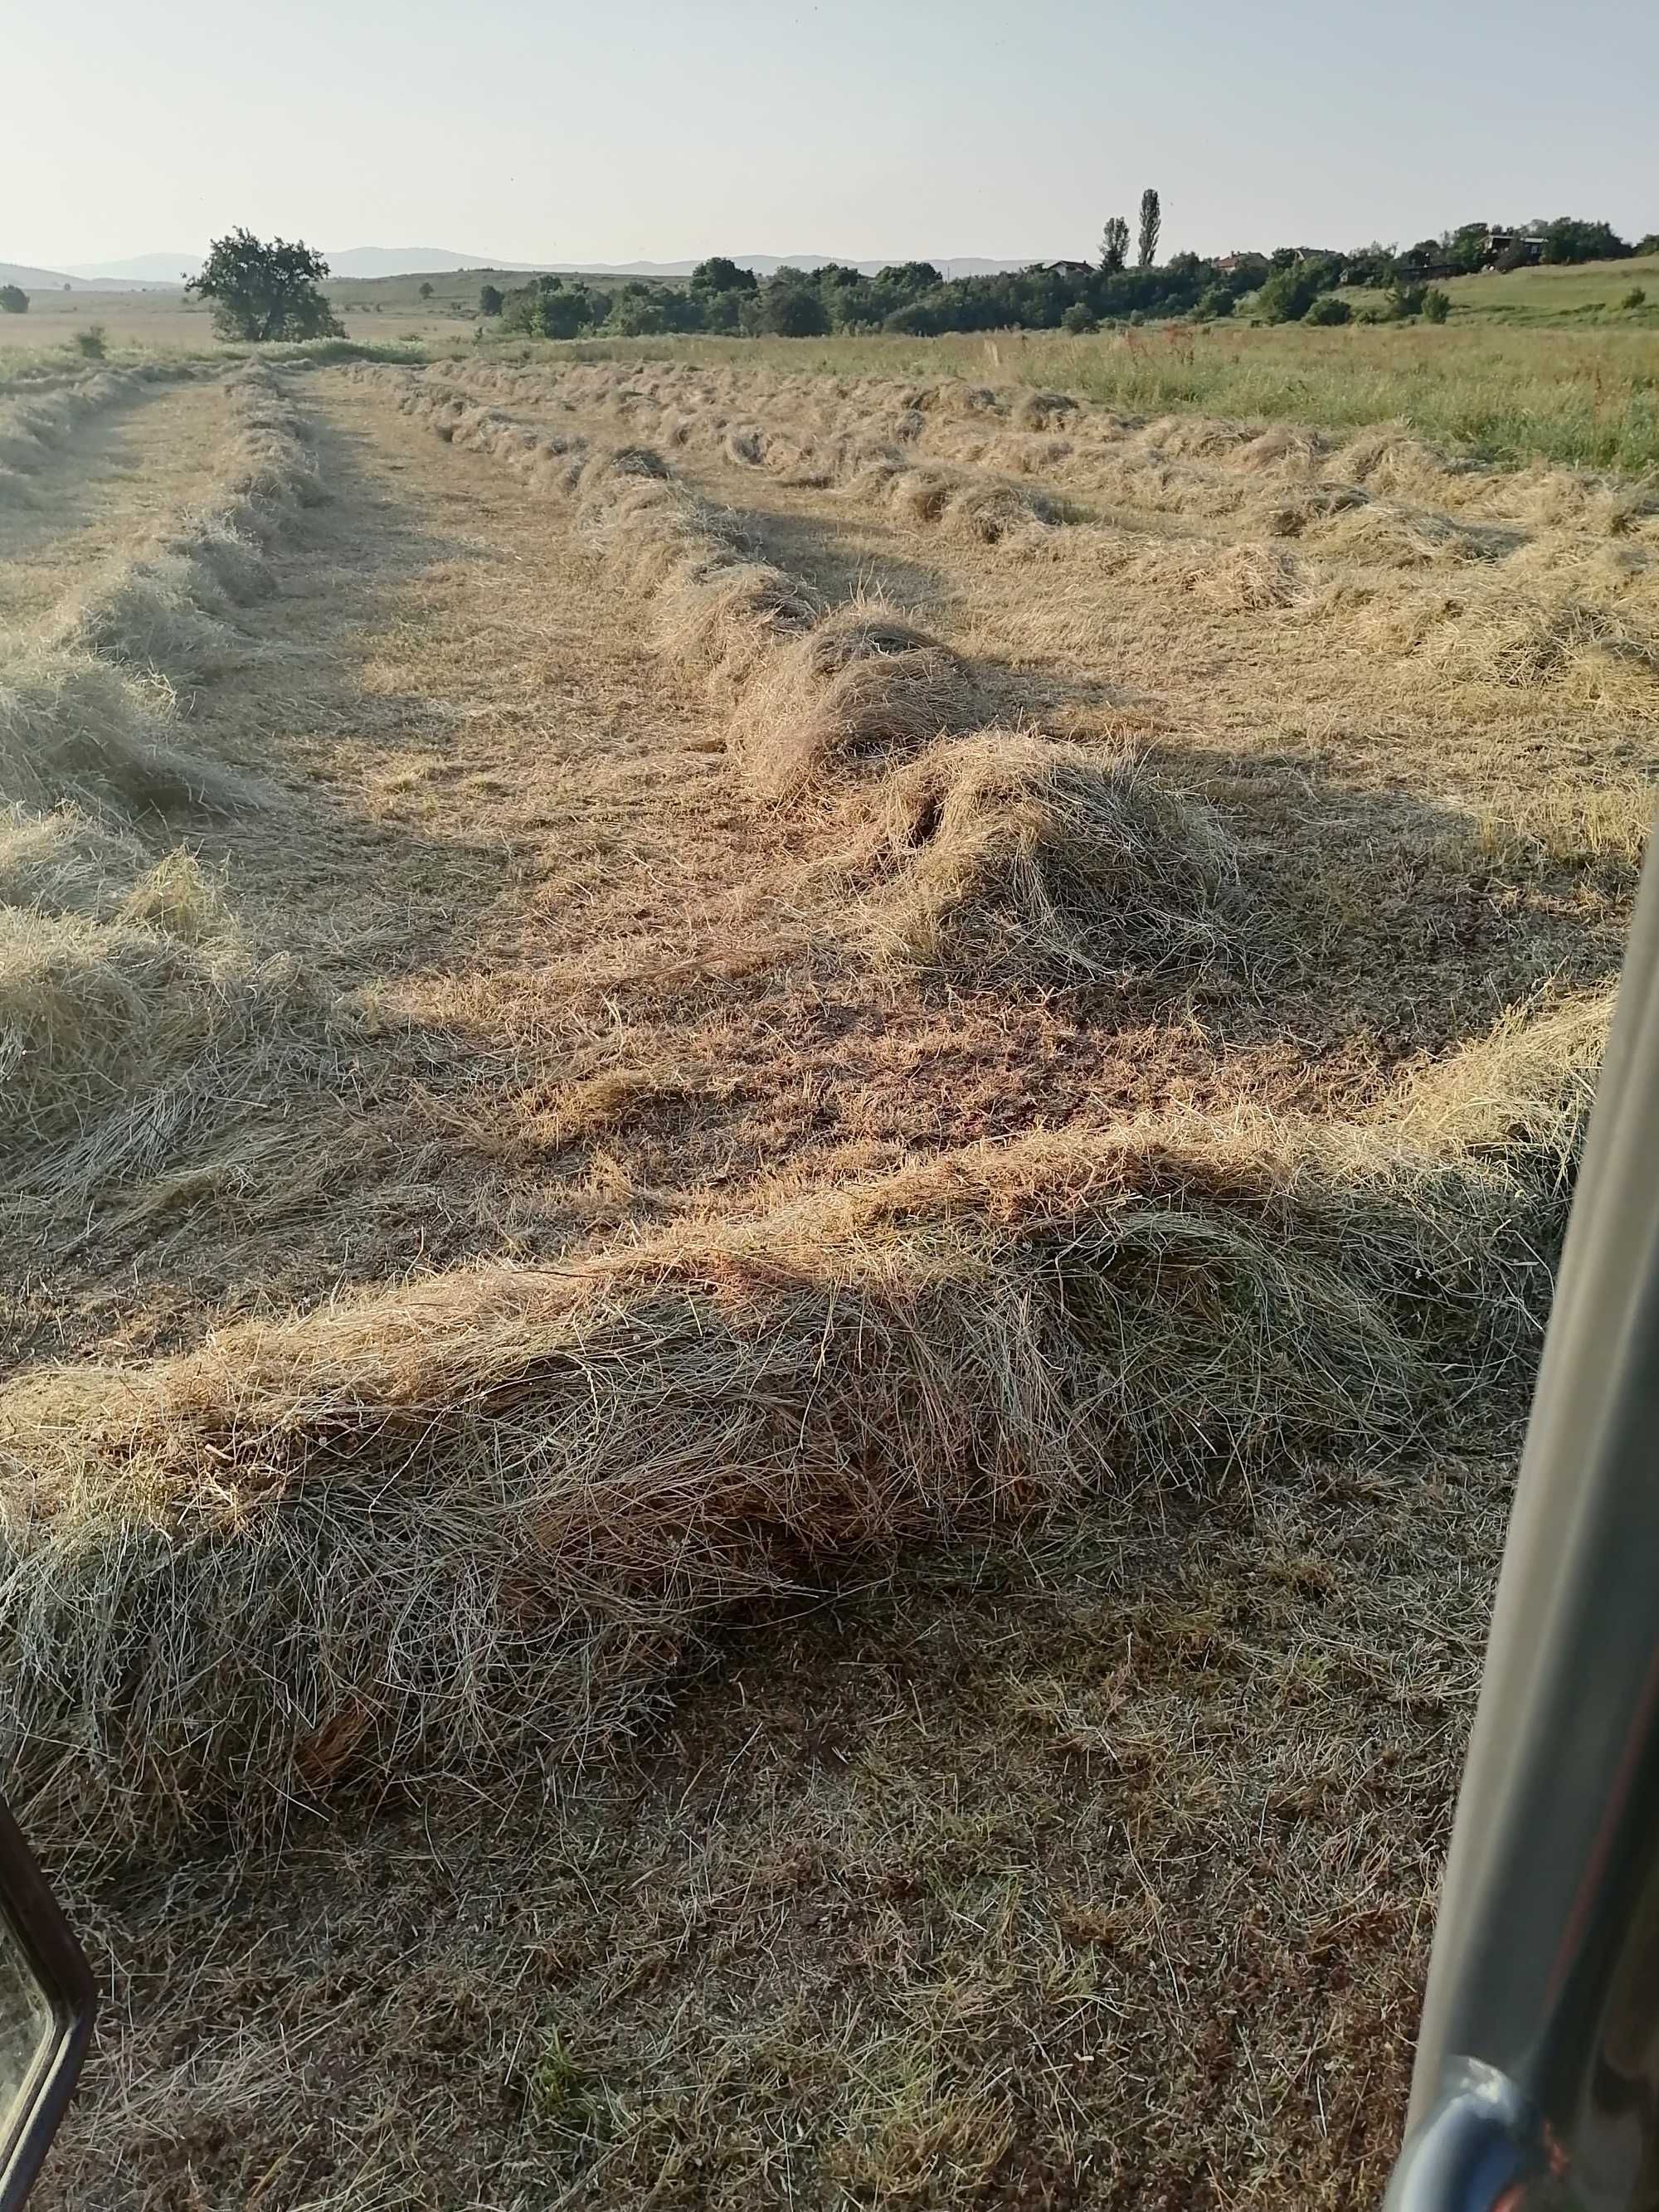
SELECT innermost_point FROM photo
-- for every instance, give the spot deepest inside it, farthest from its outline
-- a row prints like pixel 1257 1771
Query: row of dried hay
pixel 1554 574
pixel 419 1533
pixel 167 610
pixel 1006 860
pixel 134 1019
pixel 37 425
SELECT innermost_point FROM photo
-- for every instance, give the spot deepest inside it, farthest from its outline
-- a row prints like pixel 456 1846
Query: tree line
pixel 262 290
pixel 915 299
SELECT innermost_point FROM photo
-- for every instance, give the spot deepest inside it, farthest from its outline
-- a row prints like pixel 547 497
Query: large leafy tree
pixel 1152 219
pixel 1113 244
pixel 262 291
pixel 721 274
pixel 13 300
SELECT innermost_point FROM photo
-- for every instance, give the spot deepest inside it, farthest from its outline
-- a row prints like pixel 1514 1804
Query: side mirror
pixel 47 2005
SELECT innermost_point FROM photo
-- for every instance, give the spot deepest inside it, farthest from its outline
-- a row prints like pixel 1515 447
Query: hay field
pixel 1541 388
pixel 783 1156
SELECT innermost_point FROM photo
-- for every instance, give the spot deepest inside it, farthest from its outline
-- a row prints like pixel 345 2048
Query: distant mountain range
pixel 167 270
pixel 64 280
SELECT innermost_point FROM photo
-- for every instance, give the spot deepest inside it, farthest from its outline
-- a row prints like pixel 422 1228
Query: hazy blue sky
pixel 649 129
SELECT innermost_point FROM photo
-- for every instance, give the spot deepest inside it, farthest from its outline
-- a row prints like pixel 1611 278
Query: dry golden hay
pixel 1197 437
pixel 1391 458
pixel 36 427
pixel 147 1056
pixel 420 1532
pixel 1404 538
pixel 723 620
pixel 1524 1092
pixel 1038 410
pixel 1233 578
pixel 1600 570
pixel 1288 513
pixel 164 609
pixel 65 863
pixel 92 1014
pixel 746 445
pixel 1016 861
pixel 1290 447
pixel 922 494
pixel 1574 499
pixel 860 686
pixel 72 728
pixel 1488 634
pixel 161 612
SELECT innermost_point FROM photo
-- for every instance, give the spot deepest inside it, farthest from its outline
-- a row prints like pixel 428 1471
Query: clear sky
pixel 624 129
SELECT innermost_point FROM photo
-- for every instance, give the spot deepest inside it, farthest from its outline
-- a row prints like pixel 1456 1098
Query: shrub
pixel 1436 305
pixel 491 300
pixel 795 311
pixel 1078 319
pixel 1407 300
pixel 1287 295
pixel 1215 300
pixel 1635 297
pixel 13 300
pixel 638 312
pixel 548 308
pixel 89 342
pixel 262 292
pixel 1329 309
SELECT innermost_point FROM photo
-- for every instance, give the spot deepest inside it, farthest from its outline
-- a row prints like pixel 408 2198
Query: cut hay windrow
pixel 166 610
pixel 1381 498
pixel 952 419
pixel 36 426
pixel 423 1532
pixel 877 468
pixel 75 729
pixel 1031 863
pixel 818 698
pixel 83 718
pixel 135 1021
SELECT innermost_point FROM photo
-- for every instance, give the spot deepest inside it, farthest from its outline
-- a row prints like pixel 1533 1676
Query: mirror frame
pixel 45 1937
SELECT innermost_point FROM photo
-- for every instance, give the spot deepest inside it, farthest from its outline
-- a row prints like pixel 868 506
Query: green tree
pixel 548 308
pixel 1289 293
pixel 720 274
pixel 261 291
pixel 1570 238
pixel 639 310
pixel 1113 244
pixel 490 300
pixel 13 300
pixel 1152 219
pixel 426 291
pixel 793 309
pixel 1078 319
